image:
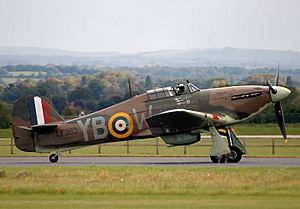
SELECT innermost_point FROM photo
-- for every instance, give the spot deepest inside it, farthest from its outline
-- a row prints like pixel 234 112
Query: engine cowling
pixel 181 139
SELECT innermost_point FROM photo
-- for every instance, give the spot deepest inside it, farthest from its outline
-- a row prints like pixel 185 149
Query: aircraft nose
pixel 281 93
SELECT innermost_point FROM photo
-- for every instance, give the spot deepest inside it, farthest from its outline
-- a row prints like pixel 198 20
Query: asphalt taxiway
pixel 147 161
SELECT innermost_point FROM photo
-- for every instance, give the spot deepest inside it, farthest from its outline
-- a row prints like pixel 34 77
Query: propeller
pixel 280 119
pixel 278 107
pixel 274 91
pixel 276 81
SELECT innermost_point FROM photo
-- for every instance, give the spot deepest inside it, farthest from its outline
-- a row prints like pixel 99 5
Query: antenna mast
pixel 129 87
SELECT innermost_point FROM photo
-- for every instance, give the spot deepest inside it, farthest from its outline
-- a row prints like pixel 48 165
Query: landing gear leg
pixel 236 147
pixel 53 158
pixel 219 150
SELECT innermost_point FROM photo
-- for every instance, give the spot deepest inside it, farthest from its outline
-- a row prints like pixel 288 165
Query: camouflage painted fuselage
pixel 127 120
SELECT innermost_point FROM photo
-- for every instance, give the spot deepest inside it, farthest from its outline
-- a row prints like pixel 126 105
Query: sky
pixel 150 25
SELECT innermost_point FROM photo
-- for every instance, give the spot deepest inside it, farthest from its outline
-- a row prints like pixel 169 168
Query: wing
pixel 181 120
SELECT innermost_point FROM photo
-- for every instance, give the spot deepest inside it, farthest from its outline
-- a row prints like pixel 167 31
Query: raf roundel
pixel 120 125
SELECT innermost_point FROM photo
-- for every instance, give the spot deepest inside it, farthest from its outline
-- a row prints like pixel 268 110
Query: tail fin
pixel 29 112
pixel 41 112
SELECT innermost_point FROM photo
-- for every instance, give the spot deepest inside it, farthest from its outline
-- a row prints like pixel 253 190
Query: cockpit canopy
pixel 171 91
pixel 161 93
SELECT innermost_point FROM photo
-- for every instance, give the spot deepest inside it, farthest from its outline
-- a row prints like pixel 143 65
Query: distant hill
pixel 249 58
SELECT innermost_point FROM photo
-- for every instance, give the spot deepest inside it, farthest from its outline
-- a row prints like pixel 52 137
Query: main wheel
pixel 53 158
pixel 218 159
pixel 235 156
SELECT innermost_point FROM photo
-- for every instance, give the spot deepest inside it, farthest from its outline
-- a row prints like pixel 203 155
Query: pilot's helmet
pixel 181 87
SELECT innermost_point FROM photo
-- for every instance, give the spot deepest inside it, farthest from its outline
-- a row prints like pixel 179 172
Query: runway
pixel 147 161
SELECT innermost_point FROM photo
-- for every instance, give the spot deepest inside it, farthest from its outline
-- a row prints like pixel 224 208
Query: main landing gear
pixel 53 158
pixel 235 155
pixel 218 159
pixel 219 154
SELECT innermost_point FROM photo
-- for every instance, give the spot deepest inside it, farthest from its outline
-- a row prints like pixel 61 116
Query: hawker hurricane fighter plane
pixel 178 115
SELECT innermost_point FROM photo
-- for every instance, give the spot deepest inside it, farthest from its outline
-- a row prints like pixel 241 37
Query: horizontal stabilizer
pixel 43 128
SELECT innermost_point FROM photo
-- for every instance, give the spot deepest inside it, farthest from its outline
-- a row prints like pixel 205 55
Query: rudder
pixel 27 112
pixel 41 112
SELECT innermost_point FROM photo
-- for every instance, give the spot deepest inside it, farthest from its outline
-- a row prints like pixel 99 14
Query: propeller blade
pixel 271 87
pixel 280 119
pixel 276 81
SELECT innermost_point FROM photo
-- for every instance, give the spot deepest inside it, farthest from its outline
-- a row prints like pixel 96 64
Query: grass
pixel 5 133
pixel 26 73
pixel 149 187
pixel 14 80
pixel 255 147
pixel 265 129
pixel 145 201
pixel 241 129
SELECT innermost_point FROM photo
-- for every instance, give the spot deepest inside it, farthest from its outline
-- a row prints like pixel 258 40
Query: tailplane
pixel 30 115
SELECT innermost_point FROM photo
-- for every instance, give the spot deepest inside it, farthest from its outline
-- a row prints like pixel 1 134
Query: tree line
pixel 232 74
pixel 71 95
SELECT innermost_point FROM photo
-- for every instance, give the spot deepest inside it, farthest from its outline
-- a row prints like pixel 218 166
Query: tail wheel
pixel 53 158
pixel 218 159
pixel 235 156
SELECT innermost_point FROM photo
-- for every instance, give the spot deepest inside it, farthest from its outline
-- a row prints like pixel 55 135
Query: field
pixel 155 187
pixel 147 147
pixel 27 73
pixel 14 80
pixel 255 147
pixel 243 129
pixel 149 187
pixel 5 133
pixel 266 129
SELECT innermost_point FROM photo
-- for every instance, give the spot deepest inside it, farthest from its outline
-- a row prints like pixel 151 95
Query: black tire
pixel 53 158
pixel 218 159
pixel 235 156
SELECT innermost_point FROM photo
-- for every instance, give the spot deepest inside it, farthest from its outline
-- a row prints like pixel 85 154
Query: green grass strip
pixel 149 187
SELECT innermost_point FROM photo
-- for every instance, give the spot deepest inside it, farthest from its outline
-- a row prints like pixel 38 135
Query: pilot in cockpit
pixel 180 88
